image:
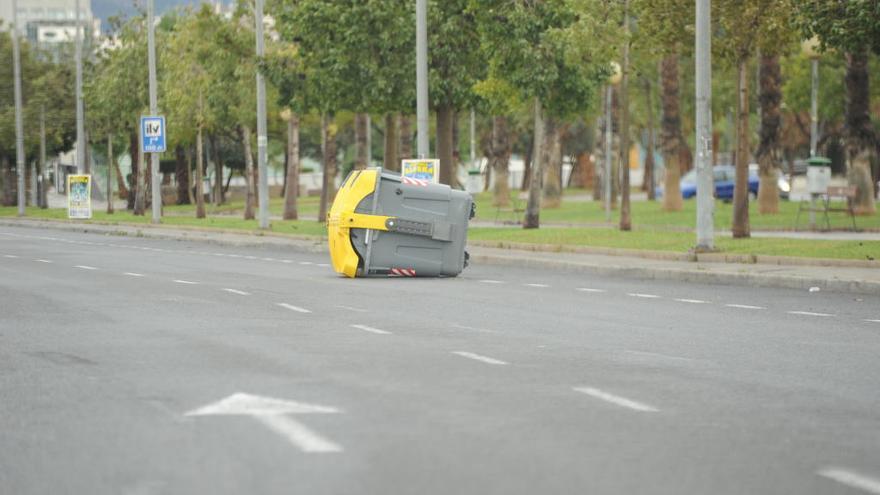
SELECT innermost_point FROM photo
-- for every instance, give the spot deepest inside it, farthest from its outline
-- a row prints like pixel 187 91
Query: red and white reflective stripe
pixel 403 272
pixel 414 182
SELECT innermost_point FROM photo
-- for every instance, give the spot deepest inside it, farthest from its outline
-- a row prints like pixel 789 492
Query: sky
pixel 106 8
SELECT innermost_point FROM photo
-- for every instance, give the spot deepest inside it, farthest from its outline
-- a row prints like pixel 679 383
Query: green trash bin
pixel 383 224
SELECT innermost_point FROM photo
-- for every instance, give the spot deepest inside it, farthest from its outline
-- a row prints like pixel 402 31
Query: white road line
pixel 268 259
pixel 10 256
pixel 587 289
pixel 851 479
pixel 294 308
pixel 371 329
pixel 352 308
pixel 187 282
pixel 239 292
pixel 615 399
pixel 132 274
pixel 250 257
pixel 297 433
pixel 85 267
pixel 43 261
pixel 644 296
pixel 807 313
pixel 744 306
pixel 873 321
pixel 324 265
pixel 693 301
pixel 477 357
pixel 537 285
pixel 476 329
pixel 287 261
pixel 487 281
pixel 306 263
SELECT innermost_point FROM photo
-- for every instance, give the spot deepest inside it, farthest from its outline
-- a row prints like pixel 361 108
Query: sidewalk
pixel 834 275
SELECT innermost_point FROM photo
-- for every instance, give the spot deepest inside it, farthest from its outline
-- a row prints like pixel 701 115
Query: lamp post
pixel 613 80
pixel 810 48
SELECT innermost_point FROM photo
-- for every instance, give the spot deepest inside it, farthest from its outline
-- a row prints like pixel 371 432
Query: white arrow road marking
pixel 274 413
pixel 851 479
pixel 615 399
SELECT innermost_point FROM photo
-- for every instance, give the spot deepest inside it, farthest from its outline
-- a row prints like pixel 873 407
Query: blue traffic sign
pixel 153 134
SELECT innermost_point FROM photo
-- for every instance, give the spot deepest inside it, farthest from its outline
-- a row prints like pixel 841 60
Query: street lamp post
pixel 154 157
pixel 263 184
pixel 423 142
pixel 810 48
pixel 705 187
pixel 80 125
pixel 613 80
pixel 19 126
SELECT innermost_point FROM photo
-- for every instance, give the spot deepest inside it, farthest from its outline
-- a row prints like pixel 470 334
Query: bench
pixel 838 193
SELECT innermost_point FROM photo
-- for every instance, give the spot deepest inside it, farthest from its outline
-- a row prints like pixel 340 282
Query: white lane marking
pixel 477 357
pixel 250 257
pixel 306 263
pixel 476 329
pixel 587 289
pixel 352 308
pixel 371 329
pixel 644 296
pixel 294 308
pixel 807 313
pixel 287 261
pixel 274 413
pixel 187 282
pixel 133 274
pixel 234 255
pixel 693 301
pixel 873 321
pixel 324 265
pixel 236 291
pixel 616 399
pixel 10 256
pixel 744 306
pixel 488 281
pixel 268 259
pixel 851 479
pixel 43 261
pixel 655 355
pixel 85 267
pixel 536 285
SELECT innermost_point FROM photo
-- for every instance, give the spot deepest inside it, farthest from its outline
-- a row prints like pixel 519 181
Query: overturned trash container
pixel 383 224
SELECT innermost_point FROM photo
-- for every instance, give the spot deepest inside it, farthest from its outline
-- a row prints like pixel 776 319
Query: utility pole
pixel 705 186
pixel 19 125
pixel 424 144
pixel 80 125
pixel 263 183
pixel 154 157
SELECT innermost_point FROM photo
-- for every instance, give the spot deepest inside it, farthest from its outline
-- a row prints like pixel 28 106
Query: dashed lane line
pixel 236 291
pixel 744 306
pixel 43 261
pixel 10 256
pixel 371 329
pixel 487 281
pixel 85 267
pixel 616 399
pixel 478 357
pixel 185 282
pixel 352 308
pixel 643 296
pixel 851 479
pixel 693 301
pixel 808 313
pixel 133 274
pixel 873 321
pixel 540 286
pixel 294 308
pixel 588 289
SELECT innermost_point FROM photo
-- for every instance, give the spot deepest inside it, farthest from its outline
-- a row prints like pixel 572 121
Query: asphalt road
pixel 114 353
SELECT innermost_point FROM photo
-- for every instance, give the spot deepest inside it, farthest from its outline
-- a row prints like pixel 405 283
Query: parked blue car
pixel 725 178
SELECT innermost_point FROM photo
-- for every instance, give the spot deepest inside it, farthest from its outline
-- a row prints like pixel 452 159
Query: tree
pixel 767 154
pixel 853 27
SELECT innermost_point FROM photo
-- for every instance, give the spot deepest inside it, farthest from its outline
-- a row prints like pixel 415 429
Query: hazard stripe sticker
pixel 403 272
pixel 414 182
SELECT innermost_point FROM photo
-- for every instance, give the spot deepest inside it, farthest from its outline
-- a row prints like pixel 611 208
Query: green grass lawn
pixel 651 214
pixel 655 240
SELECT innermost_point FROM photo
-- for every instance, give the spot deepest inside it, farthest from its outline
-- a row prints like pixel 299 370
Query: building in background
pixel 50 25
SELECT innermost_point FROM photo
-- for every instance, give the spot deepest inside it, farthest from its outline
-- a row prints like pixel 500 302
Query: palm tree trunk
pixel 406 138
pixel 670 133
pixel 740 225
pixel 292 182
pixel 533 207
pixel 200 193
pixel 500 161
pixel 767 155
pixel 250 194
pixel 445 146
pixel 391 157
pixel 861 140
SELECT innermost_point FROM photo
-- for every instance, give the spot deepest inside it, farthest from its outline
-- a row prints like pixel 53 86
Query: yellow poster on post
pixel 421 170
pixel 79 196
